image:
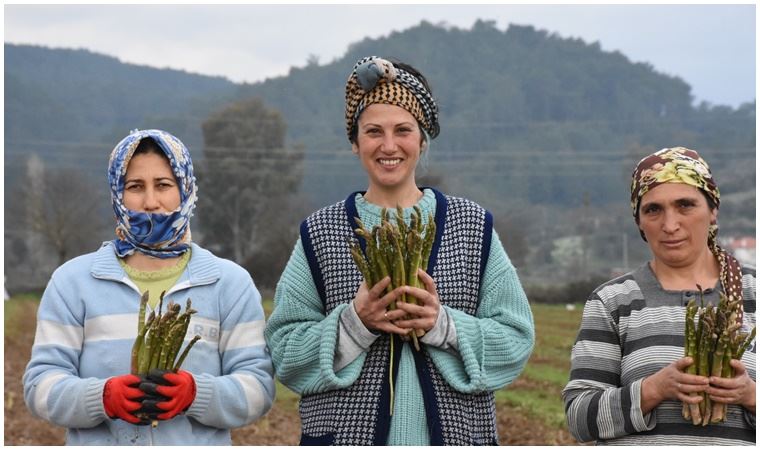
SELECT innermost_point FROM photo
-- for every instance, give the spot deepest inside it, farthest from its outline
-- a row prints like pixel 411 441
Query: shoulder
pixel 326 211
pixel 619 291
pixel 228 270
pixel 82 265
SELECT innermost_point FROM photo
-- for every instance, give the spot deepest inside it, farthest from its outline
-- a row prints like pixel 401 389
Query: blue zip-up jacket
pixel 87 323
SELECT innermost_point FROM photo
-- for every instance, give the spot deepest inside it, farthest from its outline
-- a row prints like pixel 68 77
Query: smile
pixel 390 162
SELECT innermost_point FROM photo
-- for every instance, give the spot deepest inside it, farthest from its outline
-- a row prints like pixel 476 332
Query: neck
pixel 704 272
pixel 147 263
pixel 390 198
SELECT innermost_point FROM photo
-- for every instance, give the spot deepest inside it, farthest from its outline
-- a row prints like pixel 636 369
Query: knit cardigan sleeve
pixel 301 338
pixel 494 345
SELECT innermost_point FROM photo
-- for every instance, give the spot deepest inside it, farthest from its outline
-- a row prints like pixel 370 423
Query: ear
pixel 354 148
pixel 713 216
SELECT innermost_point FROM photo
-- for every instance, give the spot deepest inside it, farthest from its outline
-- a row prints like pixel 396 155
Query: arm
pixel 304 342
pixel 596 405
pixel 53 390
pixel 489 350
pixel 245 391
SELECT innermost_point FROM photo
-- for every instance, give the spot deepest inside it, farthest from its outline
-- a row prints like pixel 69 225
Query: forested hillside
pixel 542 130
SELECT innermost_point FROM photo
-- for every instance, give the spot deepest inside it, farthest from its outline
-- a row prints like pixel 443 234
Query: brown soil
pixel 281 426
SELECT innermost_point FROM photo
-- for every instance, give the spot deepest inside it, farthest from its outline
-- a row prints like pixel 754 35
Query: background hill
pixel 542 130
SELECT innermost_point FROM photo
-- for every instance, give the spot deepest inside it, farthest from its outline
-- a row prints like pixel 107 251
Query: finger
pixel 413 309
pixel 724 399
pixel 428 281
pixel 391 296
pixel 390 327
pixel 395 315
pixel 692 399
pixel 421 295
pixel 133 392
pixel 692 379
pixel 725 383
pixel 379 287
pixel 689 388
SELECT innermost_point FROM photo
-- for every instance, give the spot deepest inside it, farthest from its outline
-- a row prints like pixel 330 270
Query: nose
pixel 151 202
pixel 671 222
pixel 389 145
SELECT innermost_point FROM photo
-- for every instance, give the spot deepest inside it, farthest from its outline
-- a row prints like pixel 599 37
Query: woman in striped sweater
pixel 628 378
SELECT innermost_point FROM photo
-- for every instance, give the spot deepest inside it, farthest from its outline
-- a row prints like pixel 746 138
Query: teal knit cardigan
pixel 488 351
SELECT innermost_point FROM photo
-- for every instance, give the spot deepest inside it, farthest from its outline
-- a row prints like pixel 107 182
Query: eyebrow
pixel 677 200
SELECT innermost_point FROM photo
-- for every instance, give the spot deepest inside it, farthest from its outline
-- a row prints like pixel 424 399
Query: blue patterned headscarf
pixel 154 234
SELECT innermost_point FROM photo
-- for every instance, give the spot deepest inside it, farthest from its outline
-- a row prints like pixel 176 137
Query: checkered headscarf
pixel 376 80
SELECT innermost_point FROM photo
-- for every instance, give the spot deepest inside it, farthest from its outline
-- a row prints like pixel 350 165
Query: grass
pixel 535 393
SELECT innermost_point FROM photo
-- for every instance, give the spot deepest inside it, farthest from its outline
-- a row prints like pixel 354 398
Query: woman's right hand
pixel 671 383
pixel 371 307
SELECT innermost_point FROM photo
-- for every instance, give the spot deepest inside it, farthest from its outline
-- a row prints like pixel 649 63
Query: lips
pixel 389 162
pixel 673 243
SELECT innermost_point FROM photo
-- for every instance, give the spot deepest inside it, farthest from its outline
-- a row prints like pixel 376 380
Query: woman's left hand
pixel 424 314
pixel 739 390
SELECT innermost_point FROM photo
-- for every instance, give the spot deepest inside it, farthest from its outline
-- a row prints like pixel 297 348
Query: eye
pixel 686 204
pixel 372 131
pixel 651 209
pixel 133 187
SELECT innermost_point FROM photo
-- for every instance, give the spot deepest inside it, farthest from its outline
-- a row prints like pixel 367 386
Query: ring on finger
pixel 385 314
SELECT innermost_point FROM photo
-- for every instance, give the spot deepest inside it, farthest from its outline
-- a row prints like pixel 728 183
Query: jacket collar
pixel 201 269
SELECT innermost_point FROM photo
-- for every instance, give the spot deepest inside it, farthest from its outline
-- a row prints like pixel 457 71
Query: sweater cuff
pixel 353 338
pixel 444 333
pixel 204 388
pixel 640 421
pixel 93 399
pixel 750 418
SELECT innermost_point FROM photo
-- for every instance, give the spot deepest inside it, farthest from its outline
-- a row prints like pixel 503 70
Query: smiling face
pixel 676 219
pixel 388 143
pixel 149 185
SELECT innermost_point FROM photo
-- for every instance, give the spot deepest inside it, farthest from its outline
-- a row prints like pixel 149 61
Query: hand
pixel 371 307
pixel 739 390
pixel 671 383
pixel 423 315
pixel 177 388
pixel 121 398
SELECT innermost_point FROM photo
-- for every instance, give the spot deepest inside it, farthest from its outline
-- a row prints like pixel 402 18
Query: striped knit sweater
pixel 87 323
pixel 632 328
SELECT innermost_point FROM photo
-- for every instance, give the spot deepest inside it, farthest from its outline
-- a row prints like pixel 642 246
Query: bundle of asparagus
pixel 713 339
pixel 396 250
pixel 160 338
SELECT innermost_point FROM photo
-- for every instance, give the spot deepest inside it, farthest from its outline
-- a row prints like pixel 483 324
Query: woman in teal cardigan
pixel 330 334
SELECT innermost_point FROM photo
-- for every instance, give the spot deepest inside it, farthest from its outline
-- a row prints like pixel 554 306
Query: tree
pixel 247 188
pixel 55 211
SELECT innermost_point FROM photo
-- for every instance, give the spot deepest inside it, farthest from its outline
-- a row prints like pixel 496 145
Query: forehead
pixel 149 164
pixel 670 192
pixel 384 113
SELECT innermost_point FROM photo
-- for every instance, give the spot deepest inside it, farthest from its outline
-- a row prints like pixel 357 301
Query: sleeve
pixel 245 391
pixel 303 340
pixel 596 405
pixel 53 390
pixel 493 346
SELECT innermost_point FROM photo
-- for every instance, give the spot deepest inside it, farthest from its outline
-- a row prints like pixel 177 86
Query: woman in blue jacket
pixel 78 376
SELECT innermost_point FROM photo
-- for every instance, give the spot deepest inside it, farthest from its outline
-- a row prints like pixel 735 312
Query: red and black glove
pixel 178 388
pixel 121 398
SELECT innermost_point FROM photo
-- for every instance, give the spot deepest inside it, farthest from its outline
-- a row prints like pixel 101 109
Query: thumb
pixel 738 367
pixel 684 362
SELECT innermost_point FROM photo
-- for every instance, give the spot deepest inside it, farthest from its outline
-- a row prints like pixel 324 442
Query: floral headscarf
pixel 683 165
pixel 154 234
pixel 376 80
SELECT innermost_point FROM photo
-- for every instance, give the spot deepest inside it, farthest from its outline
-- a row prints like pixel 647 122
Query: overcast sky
pixel 711 47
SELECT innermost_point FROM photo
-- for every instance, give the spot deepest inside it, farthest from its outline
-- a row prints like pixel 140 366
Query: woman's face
pixel 388 143
pixel 150 186
pixel 676 219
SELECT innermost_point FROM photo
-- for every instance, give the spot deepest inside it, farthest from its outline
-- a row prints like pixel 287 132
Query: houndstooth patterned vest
pixel 359 414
